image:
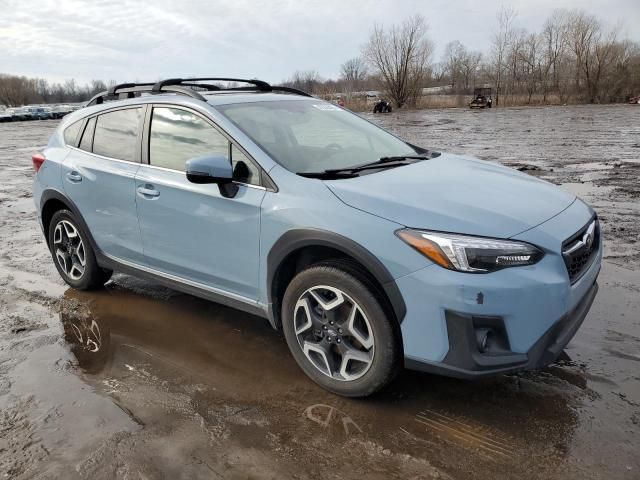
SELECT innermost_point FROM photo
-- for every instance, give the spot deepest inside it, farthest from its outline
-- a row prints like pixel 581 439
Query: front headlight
pixel 465 253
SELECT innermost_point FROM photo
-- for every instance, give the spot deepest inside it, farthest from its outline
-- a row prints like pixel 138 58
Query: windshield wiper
pixel 382 162
pixel 350 172
pixel 401 157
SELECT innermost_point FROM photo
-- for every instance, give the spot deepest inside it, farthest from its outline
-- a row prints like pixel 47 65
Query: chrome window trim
pixel 102 157
pixel 128 162
pixel 180 172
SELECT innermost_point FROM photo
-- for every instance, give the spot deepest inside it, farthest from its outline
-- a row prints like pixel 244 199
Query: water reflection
pixel 224 360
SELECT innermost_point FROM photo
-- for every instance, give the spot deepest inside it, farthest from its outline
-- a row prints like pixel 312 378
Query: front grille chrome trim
pixel 587 239
pixel 580 250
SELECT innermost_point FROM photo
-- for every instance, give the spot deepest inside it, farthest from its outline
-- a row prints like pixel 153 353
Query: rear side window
pixel 116 134
pixel 177 135
pixel 87 136
pixel 71 133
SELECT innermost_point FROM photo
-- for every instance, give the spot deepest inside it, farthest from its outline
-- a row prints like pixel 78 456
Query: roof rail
pixel 187 86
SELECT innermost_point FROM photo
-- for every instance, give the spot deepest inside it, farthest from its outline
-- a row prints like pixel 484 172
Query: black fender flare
pixel 53 194
pixel 293 240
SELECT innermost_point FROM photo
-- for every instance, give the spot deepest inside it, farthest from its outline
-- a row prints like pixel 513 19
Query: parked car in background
pixel 19 114
pixel 40 113
pixel 5 116
pixel 369 253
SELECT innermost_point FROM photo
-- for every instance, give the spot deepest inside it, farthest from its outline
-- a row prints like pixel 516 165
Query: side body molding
pixel 295 239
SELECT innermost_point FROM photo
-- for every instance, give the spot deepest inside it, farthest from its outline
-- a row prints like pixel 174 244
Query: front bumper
pixel 464 360
pixel 531 312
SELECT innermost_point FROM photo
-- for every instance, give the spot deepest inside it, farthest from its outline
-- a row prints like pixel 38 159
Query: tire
pixel 64 232
pixel 373 334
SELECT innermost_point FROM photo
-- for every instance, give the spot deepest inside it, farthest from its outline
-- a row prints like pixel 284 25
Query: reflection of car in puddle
pixel 326 415
pixel 88 335
pixel 127 340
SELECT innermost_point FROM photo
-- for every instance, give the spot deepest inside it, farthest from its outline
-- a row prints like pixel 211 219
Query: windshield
pixel 306 137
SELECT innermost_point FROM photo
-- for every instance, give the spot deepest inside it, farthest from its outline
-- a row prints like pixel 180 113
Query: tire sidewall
pixel 91 266
pixel 385 349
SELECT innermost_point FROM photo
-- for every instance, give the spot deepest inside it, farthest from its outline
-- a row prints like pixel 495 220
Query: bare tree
pixel 530 63
pixel 353 74
pixel 401 57
pixel 584 33
pixel 501 41
pixel 554 46
pixel 454 54
pixel 469 68
pixel 306 80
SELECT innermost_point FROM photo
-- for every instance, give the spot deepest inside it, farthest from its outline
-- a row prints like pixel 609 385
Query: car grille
pixel 580 249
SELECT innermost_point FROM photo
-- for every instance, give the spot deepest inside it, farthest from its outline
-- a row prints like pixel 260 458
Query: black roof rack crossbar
pixel 206 86
pixel 111 91
pixel 262 86
pixel 187 86
pixel 128 90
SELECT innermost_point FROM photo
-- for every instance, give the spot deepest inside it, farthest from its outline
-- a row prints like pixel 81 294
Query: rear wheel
pixel 72 254
pixel 338 332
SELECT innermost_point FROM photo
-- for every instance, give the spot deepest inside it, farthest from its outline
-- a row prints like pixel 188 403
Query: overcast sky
pixel 127 40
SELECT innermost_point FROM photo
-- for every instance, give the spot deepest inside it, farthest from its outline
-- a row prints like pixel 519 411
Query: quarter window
pixel 87 136
pixel 177 135
pixel 116 134
pixel 71 133
pixel 244 170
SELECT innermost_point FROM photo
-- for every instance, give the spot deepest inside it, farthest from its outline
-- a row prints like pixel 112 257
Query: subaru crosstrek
pixel 369 253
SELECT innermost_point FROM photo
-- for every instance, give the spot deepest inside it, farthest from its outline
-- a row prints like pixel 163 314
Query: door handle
pixel 74 177
pixel 148 191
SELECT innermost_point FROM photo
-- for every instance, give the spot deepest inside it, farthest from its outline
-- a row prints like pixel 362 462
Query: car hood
pixel 457 194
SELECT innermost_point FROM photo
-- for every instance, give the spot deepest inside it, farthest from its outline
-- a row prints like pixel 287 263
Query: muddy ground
pixel 137 381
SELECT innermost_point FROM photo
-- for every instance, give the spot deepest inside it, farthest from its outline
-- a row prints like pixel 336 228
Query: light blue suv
pixel 369 253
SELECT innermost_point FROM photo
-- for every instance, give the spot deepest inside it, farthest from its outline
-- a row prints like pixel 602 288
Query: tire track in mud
pixel 462 432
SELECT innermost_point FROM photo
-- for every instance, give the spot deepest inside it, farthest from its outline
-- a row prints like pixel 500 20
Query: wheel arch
pixel 299 248
pixel 52 201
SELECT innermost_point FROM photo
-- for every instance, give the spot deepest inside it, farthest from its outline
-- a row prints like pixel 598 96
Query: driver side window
pixel 177 135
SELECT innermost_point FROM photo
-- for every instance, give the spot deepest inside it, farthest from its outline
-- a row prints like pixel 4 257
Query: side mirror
pixel 212 169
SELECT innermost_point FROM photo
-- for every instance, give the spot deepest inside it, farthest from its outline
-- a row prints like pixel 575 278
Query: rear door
pixel 98 176
pixel 191 231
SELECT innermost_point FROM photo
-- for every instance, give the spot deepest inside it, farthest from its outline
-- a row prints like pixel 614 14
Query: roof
pixel 228 98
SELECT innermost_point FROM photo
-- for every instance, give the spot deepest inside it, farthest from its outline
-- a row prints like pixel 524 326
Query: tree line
pixel 574 58
pixel 20 90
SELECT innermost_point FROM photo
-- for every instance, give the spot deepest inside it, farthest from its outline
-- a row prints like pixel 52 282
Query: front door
pixel 189 230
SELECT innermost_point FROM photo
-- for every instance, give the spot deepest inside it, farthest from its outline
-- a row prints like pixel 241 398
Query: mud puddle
pixel 178 386
pixel 137 381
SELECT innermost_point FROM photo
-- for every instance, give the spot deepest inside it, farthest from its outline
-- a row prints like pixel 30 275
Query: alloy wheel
pixel 334 333
pixel 69 249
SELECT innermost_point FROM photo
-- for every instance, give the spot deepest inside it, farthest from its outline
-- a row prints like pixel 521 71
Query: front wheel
pixel 337 330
